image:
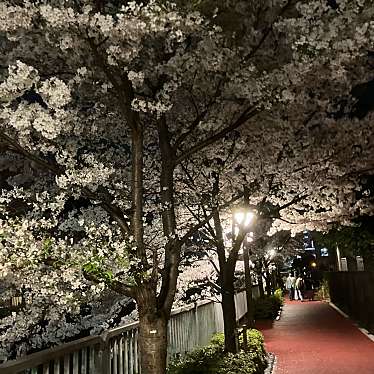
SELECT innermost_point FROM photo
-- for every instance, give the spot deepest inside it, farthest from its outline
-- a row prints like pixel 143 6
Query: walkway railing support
pixel 116 350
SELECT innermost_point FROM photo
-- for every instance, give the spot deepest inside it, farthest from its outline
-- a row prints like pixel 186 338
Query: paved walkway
pixel 313 338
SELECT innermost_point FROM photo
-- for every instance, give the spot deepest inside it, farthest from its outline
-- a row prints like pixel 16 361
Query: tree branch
pixel 268 31
pixel 245 116
pixel 113 210
pixel 199 117
pixel 117 286
pixel 295 200
pixel 202 223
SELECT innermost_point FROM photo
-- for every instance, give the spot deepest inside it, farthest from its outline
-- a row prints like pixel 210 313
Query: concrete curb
pixel 277 318
pixel 271 357
pixel 364 331
pixel 272 363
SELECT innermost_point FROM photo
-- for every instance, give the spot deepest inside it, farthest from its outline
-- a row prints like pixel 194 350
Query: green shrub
pixel 323 292
pixel 256 349
pixel 218 339
pixel 254 338
pixel 239 363
pixel 267 307
pixel 213 360
pixel 200 361
pixel 278 294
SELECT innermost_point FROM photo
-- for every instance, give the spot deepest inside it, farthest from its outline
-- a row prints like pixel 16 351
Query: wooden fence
pixel 353 292
pixel 116 350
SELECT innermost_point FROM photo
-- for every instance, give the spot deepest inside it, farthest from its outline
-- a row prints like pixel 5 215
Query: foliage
pixel 212 358
pixel 241 363
pixel 201 360
pixel 278 294
pixel 93 269
pixel 267 307
pixel 116 122
pixel 322 293
pixel 256 349
pixel 4 312
pixel 353 240
pixel 218 339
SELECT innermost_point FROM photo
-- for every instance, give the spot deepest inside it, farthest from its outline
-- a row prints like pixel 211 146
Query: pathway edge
pixel 272 363
pixel 364 331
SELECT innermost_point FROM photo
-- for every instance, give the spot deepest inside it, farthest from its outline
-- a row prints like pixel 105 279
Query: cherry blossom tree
pixel 102 107
pixel 285 189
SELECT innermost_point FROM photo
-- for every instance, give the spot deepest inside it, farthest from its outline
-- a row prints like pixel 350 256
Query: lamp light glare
pixel 243 218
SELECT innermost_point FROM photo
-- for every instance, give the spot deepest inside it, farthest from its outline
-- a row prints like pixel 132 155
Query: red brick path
pixel 312 338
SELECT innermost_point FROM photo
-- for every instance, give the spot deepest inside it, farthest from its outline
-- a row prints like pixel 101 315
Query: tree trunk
pixel 248 288
pixel 260 284
pixel 152 331
pixel 268 285
pixel 153 343
pixel 229 315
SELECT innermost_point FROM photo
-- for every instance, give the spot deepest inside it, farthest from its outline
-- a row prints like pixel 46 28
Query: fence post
pixel 196 325
pixel 104 360
pixel 237 334
pixel 245 338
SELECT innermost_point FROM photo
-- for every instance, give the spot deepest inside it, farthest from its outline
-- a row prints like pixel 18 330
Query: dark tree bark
pixel 268 283
pixel 152 332
pixel 260 284
pixel 226 278
pixel 153 343
pixel 248 288
pixel 228 310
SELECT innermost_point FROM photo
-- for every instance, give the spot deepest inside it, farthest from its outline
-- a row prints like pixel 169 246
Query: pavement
pixel 313 338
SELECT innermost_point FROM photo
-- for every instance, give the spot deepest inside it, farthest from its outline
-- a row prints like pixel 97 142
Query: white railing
pixel 116 350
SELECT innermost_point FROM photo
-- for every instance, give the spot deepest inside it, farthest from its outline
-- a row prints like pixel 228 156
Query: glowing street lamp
pixel 243 217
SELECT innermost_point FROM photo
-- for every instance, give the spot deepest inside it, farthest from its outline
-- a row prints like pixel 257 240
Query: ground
pixel 313 338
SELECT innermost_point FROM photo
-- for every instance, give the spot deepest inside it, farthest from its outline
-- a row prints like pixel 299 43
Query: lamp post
pixel 271 283
pixel 245 218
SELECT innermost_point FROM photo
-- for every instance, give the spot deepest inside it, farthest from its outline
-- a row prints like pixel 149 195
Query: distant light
pixel 249 237
pixel 313 265
pixel 324 252
pixel 244 218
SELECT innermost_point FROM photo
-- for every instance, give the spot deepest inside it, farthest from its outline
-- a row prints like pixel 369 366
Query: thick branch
pixel 113 210
pixel 173 247
pixel 203 222
pixel 245 116
pixel 295 200
pixel 199 116
pixel 17 148
pixel 125 95
pixel 268 30
pixel 123 86
pixel 117 286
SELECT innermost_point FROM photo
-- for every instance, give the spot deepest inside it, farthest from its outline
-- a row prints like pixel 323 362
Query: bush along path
pixel 268 306
pixel 311 337
pixel 212 358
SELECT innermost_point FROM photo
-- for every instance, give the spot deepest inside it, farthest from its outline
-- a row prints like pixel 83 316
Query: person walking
pixel 290 285
pixel 299 286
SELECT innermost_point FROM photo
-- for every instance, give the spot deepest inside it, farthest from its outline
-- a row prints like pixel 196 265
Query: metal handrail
pixel 38 358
